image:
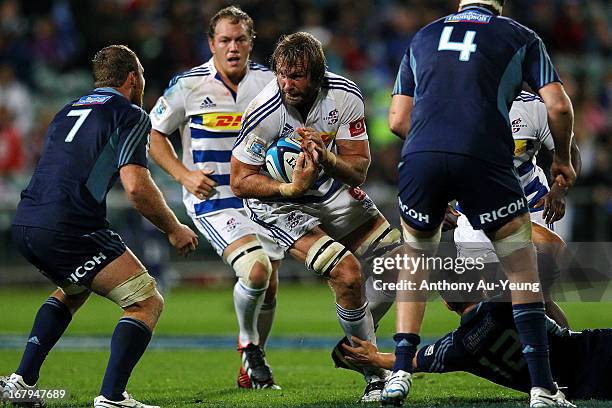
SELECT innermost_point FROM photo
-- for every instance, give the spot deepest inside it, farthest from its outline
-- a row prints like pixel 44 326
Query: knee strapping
pixel 136 289
pixel 384 239
pixel 243 258
pixel 520 239
pixel 422 243
pixel 72 289
pixel 324 255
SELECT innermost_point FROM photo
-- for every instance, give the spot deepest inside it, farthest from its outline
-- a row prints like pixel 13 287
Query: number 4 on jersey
pixel 82 114
pixel 465 48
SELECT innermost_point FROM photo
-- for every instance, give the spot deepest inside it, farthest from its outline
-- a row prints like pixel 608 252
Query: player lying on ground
pixel 61 227
pixel 580 361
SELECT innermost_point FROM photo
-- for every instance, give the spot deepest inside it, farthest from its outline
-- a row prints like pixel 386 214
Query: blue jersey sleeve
pixel 437 357
pixel 133 139
pixel 405 83
pixel 538 70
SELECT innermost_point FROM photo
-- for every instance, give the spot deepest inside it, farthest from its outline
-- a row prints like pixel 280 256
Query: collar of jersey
pixel 482 9
pixel 108 89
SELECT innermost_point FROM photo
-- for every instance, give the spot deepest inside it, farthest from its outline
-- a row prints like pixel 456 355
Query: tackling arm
pixel 366 354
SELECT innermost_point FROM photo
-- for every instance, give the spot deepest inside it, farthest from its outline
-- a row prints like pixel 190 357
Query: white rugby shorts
pixel 224 227
pixel 338 216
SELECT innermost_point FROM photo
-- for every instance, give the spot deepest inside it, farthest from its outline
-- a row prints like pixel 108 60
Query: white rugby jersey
pixel 529 122
pixel 338 113
pixel 208 114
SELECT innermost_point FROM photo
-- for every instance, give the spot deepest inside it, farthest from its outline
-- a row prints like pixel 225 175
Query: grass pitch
pixel 206 377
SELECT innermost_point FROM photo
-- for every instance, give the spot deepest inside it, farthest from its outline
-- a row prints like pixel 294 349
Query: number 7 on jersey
pixel 465 48
pixel 82 114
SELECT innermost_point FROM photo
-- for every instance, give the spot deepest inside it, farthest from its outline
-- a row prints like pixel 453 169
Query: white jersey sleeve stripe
pixel 257 116
pixel 343 88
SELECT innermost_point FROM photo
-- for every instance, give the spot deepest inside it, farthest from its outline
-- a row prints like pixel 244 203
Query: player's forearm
pixel 560 119
pixel 399 115
pixel 165 156
pixel 351 170
pixel 384 360
pixel 148 200
pixel 255 186
pixel 399 126
pixel 561 123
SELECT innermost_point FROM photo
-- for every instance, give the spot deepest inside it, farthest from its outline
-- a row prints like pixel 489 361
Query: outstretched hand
pixel 362 354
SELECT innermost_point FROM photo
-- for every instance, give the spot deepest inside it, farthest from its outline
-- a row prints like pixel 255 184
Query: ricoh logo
pixel 86 267
pixel 503 211
pixel 414 214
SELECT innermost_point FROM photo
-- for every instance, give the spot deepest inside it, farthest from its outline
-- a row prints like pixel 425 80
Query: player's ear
pixel 211 45
pixel 131 79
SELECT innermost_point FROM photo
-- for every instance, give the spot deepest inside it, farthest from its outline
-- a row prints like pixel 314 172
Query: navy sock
pixel 130 340
pixel 405 349
pixel 50 323
pixel 530 321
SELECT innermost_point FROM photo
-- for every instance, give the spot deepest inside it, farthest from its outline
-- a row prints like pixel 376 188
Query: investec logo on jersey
pixel 86 267
pixel 222 121
pixel 504 211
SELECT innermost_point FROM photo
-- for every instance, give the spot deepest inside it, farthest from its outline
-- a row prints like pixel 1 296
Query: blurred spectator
pixel 11 148
pixel 17 99
pixel 46 47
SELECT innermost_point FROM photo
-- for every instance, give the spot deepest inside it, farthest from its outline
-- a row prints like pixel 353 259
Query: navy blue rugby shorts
pixel 68 259
pixel 490 194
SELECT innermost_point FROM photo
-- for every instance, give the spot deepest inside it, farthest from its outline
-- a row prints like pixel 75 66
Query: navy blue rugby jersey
pixel 487 344
pixel 463 71
pixel 86 144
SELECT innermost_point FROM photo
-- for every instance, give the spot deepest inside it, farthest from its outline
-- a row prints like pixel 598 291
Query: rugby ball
pixel 281 157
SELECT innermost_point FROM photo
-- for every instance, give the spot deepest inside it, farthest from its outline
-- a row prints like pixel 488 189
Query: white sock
pixel 358 323
pixel 379 301
pixel 247 303
pixel 265 320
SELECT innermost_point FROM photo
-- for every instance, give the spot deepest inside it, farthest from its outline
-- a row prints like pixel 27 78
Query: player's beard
pixel 300 99
pixel 138 96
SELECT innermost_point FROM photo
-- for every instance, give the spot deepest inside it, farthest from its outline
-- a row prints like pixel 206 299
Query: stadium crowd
pixel 46 49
